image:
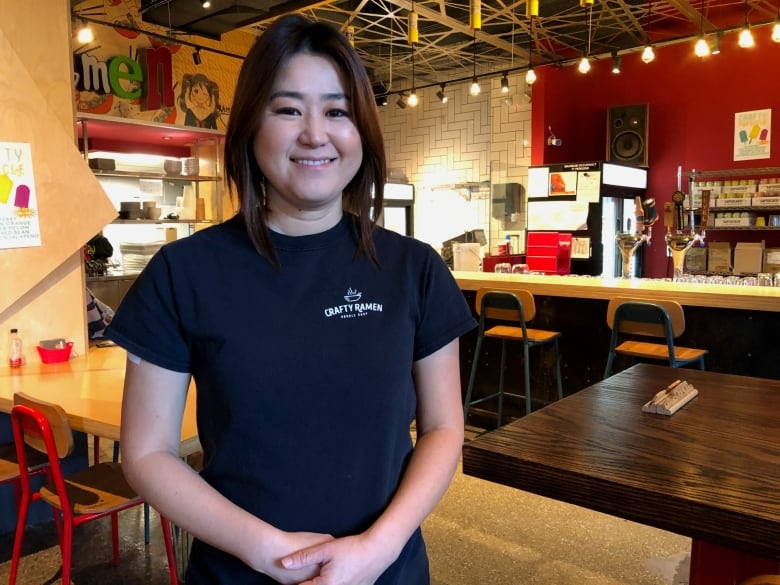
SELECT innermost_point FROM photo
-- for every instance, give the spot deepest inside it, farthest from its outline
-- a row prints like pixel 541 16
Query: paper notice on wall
pixel 752 138
pixel 558 216
pixel 19 226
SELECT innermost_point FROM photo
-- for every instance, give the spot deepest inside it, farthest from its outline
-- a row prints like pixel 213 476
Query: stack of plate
pixel 136 255
pixel 131 209
pixel 190 166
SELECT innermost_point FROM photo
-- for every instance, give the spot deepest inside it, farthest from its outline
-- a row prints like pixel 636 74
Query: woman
pixel 314 338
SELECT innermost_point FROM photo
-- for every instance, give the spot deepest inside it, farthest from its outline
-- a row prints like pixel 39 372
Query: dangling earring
pixel 263 191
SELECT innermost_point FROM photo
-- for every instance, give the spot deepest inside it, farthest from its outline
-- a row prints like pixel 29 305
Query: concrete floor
pixel 481 533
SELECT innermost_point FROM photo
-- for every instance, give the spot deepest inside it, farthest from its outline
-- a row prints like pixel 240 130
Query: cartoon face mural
pixel 199 100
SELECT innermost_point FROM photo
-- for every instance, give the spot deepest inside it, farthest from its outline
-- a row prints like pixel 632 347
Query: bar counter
pixel 739 325
pixel 721 296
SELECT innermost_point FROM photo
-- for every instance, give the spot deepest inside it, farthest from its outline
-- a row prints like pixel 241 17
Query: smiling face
pixel 307 145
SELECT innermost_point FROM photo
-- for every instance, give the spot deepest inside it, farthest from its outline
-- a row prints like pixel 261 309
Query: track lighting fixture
pixel 504 83
pixel 716 43
pixel 401 102
pixel 441 95
pixel 617 63
pixel 196 56
pixel 85 34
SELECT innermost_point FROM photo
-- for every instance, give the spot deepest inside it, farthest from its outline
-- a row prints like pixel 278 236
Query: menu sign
pixel 19 226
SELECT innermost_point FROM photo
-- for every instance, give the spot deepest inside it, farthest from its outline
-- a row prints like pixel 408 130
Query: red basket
pixel 53 356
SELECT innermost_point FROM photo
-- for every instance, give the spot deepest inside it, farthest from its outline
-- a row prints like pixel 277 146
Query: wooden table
pixel 89 388
pixel 711 471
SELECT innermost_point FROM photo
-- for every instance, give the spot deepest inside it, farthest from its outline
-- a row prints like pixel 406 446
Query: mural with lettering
pixel 128 73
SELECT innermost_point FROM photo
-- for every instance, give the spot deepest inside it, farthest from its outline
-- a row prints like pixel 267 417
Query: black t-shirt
pixel 304 375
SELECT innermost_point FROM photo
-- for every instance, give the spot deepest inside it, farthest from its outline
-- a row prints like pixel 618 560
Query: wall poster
pixel 18 205
pixel 752 139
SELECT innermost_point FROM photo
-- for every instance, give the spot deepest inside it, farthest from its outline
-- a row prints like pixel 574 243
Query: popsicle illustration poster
pixel 19 227
pixel 752 134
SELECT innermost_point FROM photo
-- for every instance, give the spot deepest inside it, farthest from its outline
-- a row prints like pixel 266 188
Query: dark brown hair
pixel 286 37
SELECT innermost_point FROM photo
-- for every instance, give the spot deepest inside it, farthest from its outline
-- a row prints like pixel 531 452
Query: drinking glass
pixel 504 267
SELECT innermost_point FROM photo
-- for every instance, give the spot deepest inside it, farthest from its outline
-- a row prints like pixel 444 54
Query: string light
pixel 85 34
pixel 776 27
pixel 584 65
pixel 530 75
pixel 475 89
pixel 413 37
pixel 745 36
pixel 702 48
pixel 648 55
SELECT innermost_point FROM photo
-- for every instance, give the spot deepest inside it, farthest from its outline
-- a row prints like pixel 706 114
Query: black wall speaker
pixel 627 134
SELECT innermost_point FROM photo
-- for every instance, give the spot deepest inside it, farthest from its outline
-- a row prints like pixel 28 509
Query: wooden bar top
pixel 89 388
pixel 758 298
pixel 711 471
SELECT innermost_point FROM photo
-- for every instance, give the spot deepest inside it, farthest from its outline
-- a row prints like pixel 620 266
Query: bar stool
pixel 518 308
pixel 663 319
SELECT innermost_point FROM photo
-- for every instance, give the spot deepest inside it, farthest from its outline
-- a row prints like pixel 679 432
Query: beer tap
pixel 678 242
pixel 644 217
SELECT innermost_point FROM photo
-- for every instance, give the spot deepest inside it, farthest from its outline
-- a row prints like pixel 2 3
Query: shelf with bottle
pixel 740 199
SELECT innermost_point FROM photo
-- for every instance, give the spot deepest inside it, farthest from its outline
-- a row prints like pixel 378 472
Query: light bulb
pixel 746 38
pixel 412 100
pixel 648 54
pixel 85 35
pixel 584 65
pixel 530 76
pixel 776 32
pixel 475 89
pixel 702 48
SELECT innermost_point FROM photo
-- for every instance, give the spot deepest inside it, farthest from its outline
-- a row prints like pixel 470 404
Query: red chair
pixel 37 463
pixel 97 491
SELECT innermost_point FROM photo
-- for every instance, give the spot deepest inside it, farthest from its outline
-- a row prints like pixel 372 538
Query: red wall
pixel 692 103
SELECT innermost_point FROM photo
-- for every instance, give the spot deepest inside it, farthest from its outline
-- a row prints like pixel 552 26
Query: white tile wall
pixel 451 152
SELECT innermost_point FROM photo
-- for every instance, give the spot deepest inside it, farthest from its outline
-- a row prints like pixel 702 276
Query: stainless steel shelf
pixel 162 177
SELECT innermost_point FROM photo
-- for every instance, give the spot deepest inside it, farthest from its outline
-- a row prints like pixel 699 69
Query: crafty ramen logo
pixel 353 307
